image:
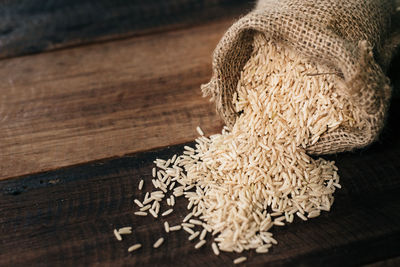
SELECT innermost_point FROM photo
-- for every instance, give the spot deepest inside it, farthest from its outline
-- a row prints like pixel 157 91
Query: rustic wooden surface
pixel 33 26
pixel 87 103
pixel 66 217
pixel 86 106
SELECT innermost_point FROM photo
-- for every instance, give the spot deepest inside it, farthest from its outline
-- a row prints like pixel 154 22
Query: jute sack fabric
pixel 353 39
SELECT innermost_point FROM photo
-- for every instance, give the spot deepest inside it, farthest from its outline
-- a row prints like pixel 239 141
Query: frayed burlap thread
pixel 349 38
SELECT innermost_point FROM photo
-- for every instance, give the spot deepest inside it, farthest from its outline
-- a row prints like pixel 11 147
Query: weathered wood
pixel 77 105
pixel 82 104
pixel 66 217
pixel 34 26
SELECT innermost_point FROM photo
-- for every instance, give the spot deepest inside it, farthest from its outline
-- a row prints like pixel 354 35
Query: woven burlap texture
pixel 351 38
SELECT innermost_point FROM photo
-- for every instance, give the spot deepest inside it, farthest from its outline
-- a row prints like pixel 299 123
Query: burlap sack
pixel 353 38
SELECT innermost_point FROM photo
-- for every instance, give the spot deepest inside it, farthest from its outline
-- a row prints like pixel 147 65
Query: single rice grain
pixel 117 235
pixel 215 248
pixel 239 260
pixel 194 235
pixel 140 187
pixel 166 227
pixel 203 234
pixel 175 228
pixel 158 242
pixel 200 244
pixel 165 213
pixel 134 247
pixel 140 204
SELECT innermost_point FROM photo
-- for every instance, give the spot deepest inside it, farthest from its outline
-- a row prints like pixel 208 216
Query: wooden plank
pixel 386 263
pixel 87 103
pixel 35 26
pixel 66 217
pixel 393 73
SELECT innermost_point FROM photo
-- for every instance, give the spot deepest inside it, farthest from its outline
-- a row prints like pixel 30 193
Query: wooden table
pixel 82 121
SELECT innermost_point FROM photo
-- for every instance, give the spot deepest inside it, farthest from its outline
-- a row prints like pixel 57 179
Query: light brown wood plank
pixel 87 103
pixel 35 26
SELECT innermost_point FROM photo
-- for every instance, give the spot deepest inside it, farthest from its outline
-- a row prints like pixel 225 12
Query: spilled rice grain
pixel 134 247
pixel 117 235
pixel 257 175
pixel 239 260
pixel 158 242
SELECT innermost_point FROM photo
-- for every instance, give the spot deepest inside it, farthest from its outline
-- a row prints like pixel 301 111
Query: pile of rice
pixel 242 182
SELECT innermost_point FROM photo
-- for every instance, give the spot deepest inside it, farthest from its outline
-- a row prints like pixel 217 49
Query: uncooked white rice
pixel 117 235
pixel 200 244
pixel 279 223
pixel 125 230
pixel 187 229
pixel 304 218
pixel 157 207
pixel 187 225
pixel 175 228
pixel 134 247
pixel 215 248
pixel 140 213
pixel 165 213
pixel 140 186
pixel 166 227
pixel 140 204
pixel 158 242
pixel 194 221
pixel 263 248
pixel 313 214
pixel 203 234
pixel 147 199
pixel 239 260
pixel 152 212
pixel 144 208
pixel 172 186
pixel 199 131
pixel 194 235
pixel 257 174
pixel 187 217
pixel 173 158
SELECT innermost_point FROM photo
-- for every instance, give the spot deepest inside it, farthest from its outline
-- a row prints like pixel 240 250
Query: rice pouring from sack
pixel 256 175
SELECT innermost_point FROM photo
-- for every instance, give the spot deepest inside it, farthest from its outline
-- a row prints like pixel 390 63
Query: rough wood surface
pixel 33 26
pixel 100 101
pixel 66 217
pixel 87 103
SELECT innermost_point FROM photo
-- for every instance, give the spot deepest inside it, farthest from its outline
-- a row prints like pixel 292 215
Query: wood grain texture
pixel 33 26
pixel 66 217
pixel 82 104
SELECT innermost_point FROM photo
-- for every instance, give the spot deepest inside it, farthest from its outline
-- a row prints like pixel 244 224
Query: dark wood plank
pixel 66 217
pixel 88 103
pixel 393 262
pixel 394 72
pixel 34 26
